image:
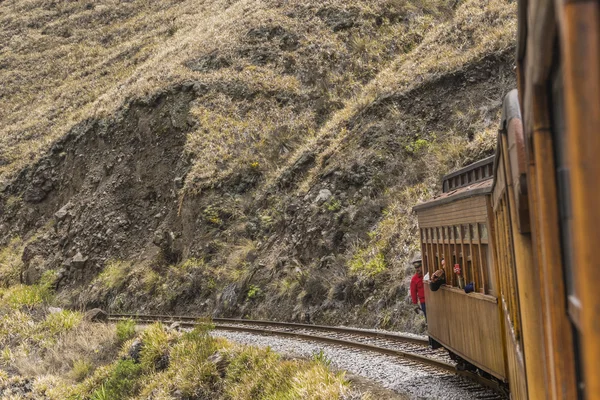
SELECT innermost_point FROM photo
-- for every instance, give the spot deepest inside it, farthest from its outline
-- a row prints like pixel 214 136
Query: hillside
pixel 238 158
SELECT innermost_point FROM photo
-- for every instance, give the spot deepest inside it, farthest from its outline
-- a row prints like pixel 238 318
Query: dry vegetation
pixel 50 353
pixel 63 62
pixel 350 86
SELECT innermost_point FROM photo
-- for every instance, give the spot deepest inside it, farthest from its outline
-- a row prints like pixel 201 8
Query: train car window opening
pixel 487 268
pixel 483 231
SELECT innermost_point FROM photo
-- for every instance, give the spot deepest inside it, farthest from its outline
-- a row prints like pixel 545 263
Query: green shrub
pixel 333 205
pixel 321 358
pixel 155 346
pixel 61 322
pixel 81 370
pixel 254 292
pixel 121 383
pixel 364 263
pixel 125 330
pixel 115 274
pixel 26 296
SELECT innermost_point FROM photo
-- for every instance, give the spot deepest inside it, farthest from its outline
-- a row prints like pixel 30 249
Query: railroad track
pixel 409 350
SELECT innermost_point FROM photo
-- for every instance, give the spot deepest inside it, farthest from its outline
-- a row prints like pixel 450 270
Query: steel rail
pixel 338 329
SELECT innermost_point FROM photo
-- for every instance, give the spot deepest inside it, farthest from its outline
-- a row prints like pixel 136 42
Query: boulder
pixel 324 195
pixel 220 362
pixel 78 261
pixel 63 212
pixel 96 315
pixel 135 350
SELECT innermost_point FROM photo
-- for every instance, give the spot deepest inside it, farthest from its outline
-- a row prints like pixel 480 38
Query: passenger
pixel 437 279
pixel 470 287
pixel 417 291
pixel 459 277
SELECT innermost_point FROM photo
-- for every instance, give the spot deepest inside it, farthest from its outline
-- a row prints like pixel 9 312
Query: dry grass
pixel 187 363
pixel 477 29
pixel 64 62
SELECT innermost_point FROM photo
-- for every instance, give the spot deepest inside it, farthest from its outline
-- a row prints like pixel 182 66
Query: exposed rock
pixel 78 261
pixel 54 310
pixel 63 212
pixel 220 361
pixel 96 315
pixel 135 349
pixel 175 326
pixel 323 196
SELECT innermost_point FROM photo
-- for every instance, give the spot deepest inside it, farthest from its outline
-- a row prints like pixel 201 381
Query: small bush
pixel 121 383
pixel 115 274
pixel 26 296
pixel 254 292
pixel 333 205
pixel 321 358
pixel 155 347
pixel 61 322
pixel 81 370
pixel 364 263
pixel 125 330
pixel 211 215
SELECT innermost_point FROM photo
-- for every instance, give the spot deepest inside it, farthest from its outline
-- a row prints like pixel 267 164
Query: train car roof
pixel 476 189
pixel 473 180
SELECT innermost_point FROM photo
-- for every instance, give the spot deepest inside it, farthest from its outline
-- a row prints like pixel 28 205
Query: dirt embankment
pixel 272 170
pixel 113 189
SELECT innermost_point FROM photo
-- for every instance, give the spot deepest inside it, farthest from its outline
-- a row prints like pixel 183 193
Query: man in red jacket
pixel 416 286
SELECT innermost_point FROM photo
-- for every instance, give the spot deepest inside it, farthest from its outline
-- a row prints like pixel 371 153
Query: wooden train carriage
pixel 455 227
pixel 512 248
pixel 558 66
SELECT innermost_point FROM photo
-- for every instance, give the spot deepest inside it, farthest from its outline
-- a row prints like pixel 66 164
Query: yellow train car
pixel 454 228
pixel 524 235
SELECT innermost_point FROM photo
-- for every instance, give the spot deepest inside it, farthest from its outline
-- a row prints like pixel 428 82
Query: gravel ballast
pixel 411 380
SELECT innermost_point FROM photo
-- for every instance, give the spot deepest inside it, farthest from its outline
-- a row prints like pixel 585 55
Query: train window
pixel 483 233
pixel 486 258
pixel 466 232
pixel 468 265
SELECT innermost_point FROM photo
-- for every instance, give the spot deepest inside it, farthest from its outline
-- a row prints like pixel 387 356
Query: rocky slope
pixel 266 168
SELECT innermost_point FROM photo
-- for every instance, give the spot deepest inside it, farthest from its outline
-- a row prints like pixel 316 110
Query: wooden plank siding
pixel 515 363
pixel 470 210
pixel 468 325
pixel 581 44
pixel 505 264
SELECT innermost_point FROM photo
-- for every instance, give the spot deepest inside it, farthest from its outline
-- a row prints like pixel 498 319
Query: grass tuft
pixel 125 330
pixel 155 349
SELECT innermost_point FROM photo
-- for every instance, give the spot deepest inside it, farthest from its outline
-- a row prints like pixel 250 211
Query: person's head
pixel 418 265
pixel 443 263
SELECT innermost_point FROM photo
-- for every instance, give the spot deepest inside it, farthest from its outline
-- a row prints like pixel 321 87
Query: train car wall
pixel 535 82
pixel 580 36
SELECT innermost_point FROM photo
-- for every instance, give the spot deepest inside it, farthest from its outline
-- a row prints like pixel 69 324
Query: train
pixel 521 227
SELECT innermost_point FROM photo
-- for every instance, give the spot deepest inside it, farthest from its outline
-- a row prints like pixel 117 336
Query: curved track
pixel 410 350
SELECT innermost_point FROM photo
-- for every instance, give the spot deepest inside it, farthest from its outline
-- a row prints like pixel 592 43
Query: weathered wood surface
pixel 469 325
